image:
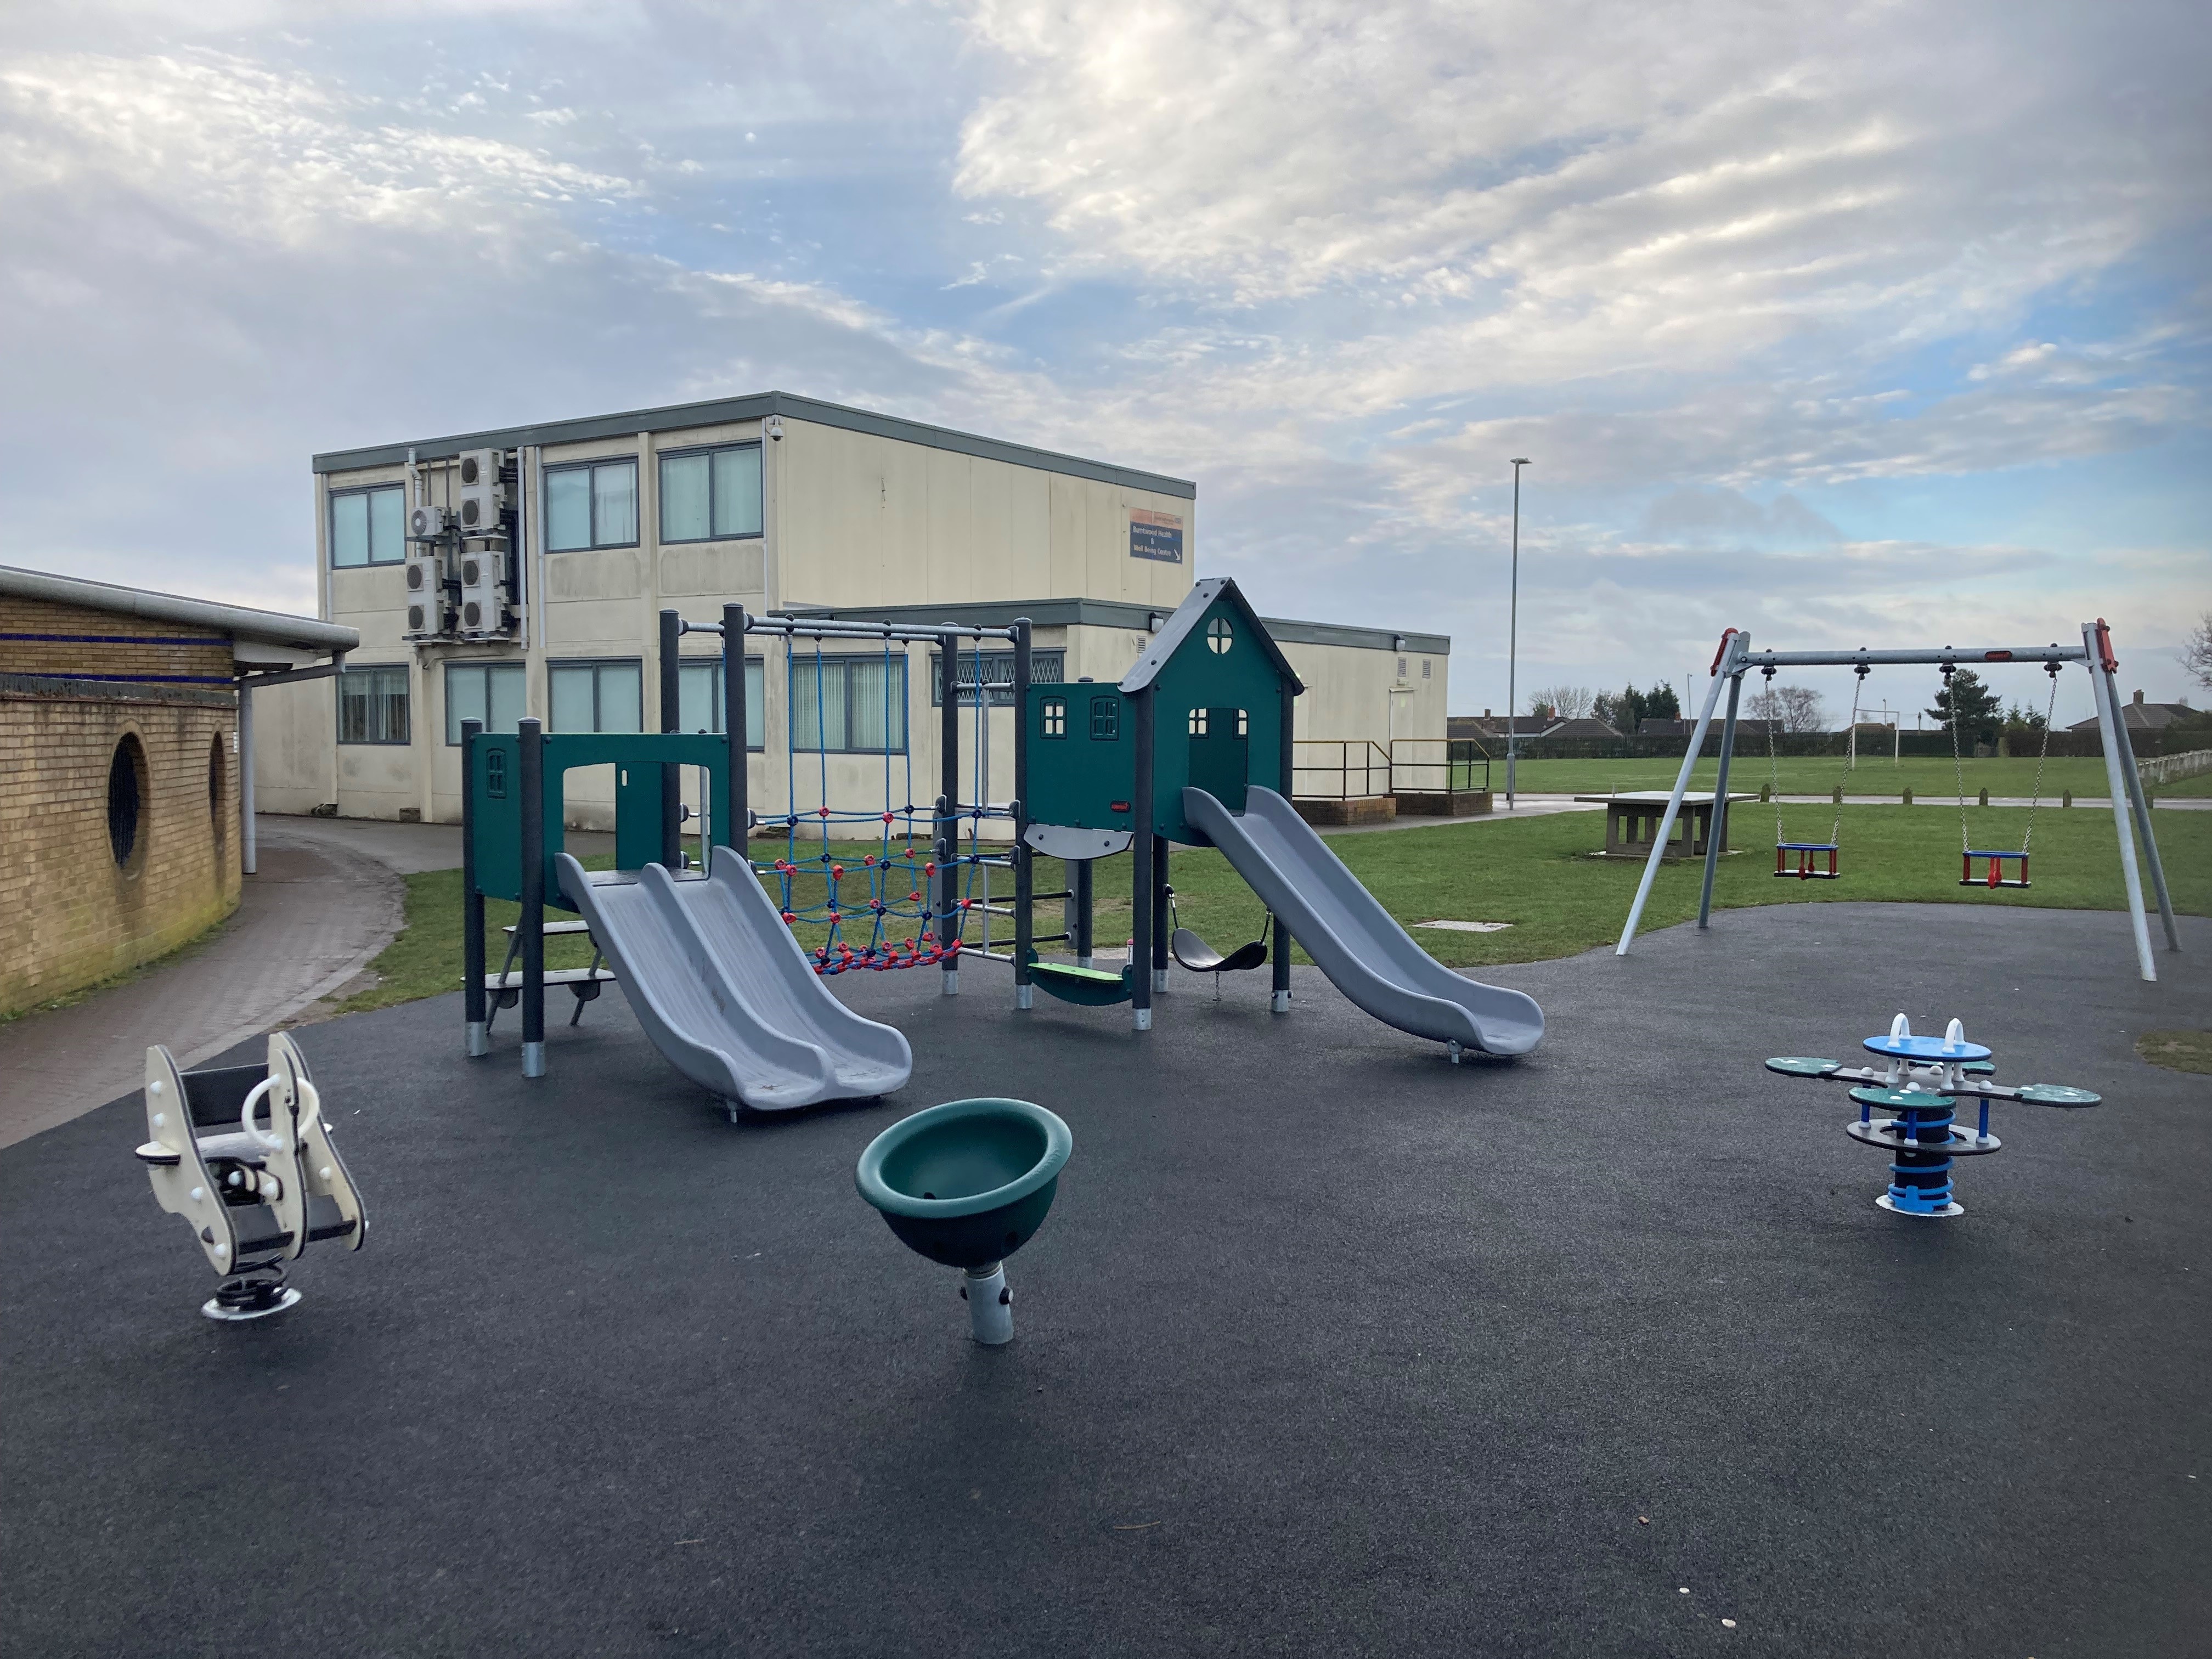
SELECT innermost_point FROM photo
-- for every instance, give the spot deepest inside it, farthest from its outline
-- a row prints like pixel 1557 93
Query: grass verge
pixel 1535 873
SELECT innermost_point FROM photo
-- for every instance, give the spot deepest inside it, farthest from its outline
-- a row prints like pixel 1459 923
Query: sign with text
pixel 1155 536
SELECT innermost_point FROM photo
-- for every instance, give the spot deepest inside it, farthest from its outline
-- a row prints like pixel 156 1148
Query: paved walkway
pixel 317 913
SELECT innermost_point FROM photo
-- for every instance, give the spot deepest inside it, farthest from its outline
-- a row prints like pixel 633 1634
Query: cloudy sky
pixel 1846 323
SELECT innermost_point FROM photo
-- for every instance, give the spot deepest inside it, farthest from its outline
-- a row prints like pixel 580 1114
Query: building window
pixel 1424 668
pixel 711 495
pixel 1056 717
pixel 215 783
pixel 848 705
pixel 368 527
pixel 994 669
pixel 373 705
pixel 126 794
pixel 1218 636
pixel 1243 724
pixel 591 505
pixel 489 691
pixel 1401 668
pixel 1198 722
pixel 698 699
pixel 1105 720
pixel 597 696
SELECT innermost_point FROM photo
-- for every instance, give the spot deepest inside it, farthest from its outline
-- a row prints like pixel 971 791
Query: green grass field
pixel 1536 873
pixel 1817 775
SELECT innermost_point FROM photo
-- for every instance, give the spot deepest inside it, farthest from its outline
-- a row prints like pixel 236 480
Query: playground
pixel 1359 1302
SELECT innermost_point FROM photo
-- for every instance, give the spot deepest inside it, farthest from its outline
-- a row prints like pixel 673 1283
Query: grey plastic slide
pixel 725 991
pixel 1353 939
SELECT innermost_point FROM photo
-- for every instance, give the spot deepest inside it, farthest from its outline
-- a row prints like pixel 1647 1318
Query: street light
pixel 1513 634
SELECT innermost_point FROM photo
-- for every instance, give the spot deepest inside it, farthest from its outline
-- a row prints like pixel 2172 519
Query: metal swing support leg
pixel 1717 825
pixel 2109 723
pixel 1728 664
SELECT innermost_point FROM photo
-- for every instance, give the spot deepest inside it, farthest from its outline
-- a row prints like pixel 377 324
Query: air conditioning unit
pixel 426 523
pixel 486 610
pixel 482 494
pixel 429 604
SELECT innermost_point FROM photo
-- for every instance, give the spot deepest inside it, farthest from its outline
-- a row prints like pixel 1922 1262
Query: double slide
pixel 725 991
pixel 1353 939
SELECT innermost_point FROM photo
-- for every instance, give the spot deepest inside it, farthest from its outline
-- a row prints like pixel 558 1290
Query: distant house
pixel 2142 716
pixel 1580 728
pixel 1486 727
pixel 1745 726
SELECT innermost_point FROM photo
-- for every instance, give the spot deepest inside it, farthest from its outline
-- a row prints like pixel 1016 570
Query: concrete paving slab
pixel 1329 1347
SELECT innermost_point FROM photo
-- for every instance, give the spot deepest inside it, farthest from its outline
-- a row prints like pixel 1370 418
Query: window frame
pixel 372 562
pixel 368 670
pixel 1107 710
pixel 660 502
pixel 844 660
pixel 756 707
pixel 487 669
pixel 597 665
pixel 551 469
pixel 1054 717
pixel 1052 660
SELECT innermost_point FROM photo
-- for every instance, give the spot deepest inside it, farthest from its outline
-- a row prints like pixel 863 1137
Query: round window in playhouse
pixel 1218 636
pixel 126 799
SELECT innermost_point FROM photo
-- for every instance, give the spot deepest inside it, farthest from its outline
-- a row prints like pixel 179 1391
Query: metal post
pixel 1081 888
pixel 248 852
pixel 1716 824
pixel 2156 868
pixel 1727 664
pixel 2108 722
pixel 1280 1001
pixel 738 831
pixel 1024 876
pixel 948 763
pixel 1513 635
pixel 531 921
pixel 472 904
pixel 672 775
pixel 1140 885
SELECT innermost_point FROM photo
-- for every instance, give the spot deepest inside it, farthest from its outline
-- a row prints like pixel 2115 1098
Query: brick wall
pixel 69 915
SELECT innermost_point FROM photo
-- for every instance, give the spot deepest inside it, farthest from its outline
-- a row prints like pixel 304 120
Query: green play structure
pixel 1208 706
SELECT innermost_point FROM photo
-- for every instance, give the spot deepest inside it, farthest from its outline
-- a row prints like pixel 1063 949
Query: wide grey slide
pixel 1353 939
pixel 725 991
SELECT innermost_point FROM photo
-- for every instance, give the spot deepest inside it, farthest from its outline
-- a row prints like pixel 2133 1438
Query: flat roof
pixel 1118 613
pixel 267 627
pixel 676 417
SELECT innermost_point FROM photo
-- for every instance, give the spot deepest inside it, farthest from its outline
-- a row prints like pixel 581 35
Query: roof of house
pixel 676 417
pixel 2142 716
pixel 1580 728
pixel 301 634
pixel 1178 628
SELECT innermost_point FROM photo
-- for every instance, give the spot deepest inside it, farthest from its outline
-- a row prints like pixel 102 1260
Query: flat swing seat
pixel 1087 988
pixel 1200 957
pixel 1806 866
pixel 1993 872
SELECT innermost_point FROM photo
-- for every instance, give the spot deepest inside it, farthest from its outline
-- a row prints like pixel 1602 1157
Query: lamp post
pixel 1513 635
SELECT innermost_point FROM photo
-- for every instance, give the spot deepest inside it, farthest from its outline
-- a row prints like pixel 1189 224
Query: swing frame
pixel 2130 810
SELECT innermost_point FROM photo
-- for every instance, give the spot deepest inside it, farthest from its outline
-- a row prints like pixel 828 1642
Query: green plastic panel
pixel 1087 988
pixel 1800 1066
pixel 495 781
pixel 2058 1094
pixel 1082 757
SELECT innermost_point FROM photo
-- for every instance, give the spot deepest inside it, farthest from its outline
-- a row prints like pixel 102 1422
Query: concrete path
pixel 318 912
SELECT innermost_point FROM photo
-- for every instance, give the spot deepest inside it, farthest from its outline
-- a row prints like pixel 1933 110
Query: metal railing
pixel 2166 769
pixel 1436 766
pixel 1341 769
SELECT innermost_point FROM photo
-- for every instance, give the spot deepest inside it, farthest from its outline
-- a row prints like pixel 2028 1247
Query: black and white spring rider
pixel 255 1197
pixel 1920 1083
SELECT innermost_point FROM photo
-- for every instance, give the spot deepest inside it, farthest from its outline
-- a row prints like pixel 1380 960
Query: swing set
pixel 2000 868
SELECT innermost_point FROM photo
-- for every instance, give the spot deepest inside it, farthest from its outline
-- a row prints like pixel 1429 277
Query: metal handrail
pixel 1464 767
pixel 1373 759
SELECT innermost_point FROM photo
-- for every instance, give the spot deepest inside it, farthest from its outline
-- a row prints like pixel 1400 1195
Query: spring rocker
pixel 1920 1086
pixel 967 1184
pixel 256 1197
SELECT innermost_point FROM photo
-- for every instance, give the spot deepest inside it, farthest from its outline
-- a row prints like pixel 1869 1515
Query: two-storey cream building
pixel 500 574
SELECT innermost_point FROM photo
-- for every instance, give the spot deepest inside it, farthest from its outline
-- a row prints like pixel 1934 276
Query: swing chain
pixel 1958 764
pixel 1773 764
pixel 2035 798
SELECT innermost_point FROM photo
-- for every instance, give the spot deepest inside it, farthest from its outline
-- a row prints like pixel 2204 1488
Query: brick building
pixel 123 830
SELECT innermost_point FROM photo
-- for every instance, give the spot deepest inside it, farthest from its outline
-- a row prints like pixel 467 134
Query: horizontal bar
pixel 1047 939
pixel 2022 654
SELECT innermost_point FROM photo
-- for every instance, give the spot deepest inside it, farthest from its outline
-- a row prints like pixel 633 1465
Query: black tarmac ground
pixel 1328 1347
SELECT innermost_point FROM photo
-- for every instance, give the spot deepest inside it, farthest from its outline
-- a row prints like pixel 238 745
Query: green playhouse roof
pixel 1178 628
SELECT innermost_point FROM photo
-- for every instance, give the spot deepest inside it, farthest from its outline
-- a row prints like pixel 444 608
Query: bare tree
pixel 2197 652
pixel 1791 708
pixel 1564 702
